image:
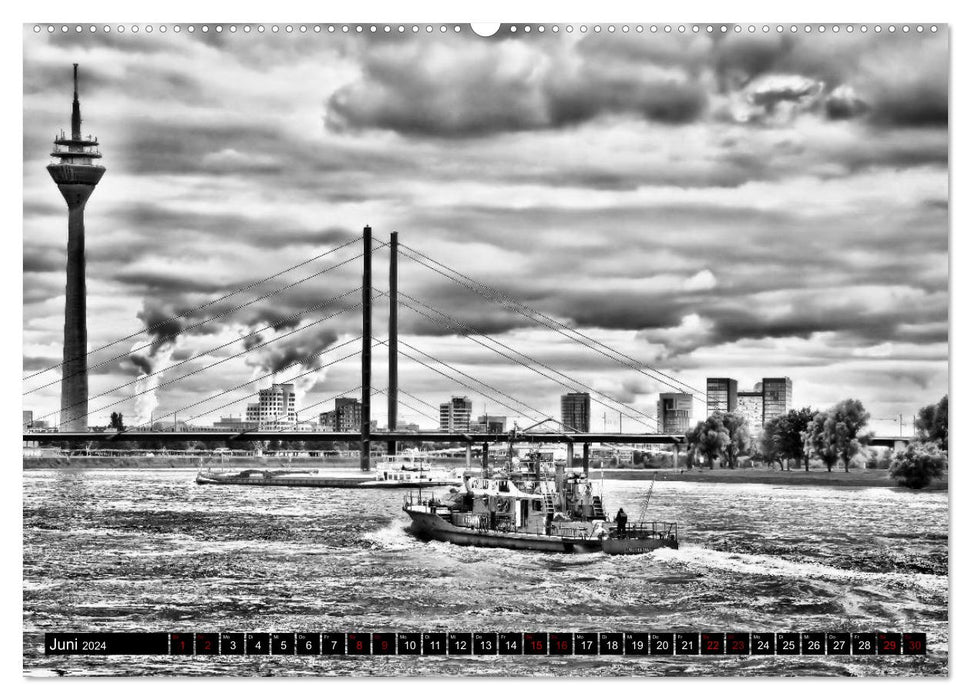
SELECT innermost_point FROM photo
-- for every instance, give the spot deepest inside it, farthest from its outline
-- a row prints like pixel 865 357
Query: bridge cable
pixel 214 301
pixel 271 326
pixel 479 381
pixel 262 376
pixel 202 323
pixel 406 404
pixel 558 326
pixel 200 369
pixel 469 331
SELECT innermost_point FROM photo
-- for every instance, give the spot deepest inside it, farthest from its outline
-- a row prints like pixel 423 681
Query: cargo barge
pixel 404 471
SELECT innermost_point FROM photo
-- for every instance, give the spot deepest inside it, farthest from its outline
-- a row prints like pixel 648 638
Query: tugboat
pixel 407 470
pixel 523 509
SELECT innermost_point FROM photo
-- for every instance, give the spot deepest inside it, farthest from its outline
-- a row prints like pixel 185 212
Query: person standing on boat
pixel 587 501
pixel 621 522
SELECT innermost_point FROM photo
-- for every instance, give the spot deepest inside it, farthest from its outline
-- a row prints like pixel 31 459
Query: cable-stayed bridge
pixel 361 346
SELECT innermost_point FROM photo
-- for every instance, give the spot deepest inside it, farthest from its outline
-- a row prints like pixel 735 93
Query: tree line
pixel 831 437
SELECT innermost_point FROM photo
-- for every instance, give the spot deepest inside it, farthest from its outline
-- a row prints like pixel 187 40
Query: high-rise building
pixel 722 394
pixel 276 409
pixel 776 397
pixel 76 173
pixel 455 415
pixel 345 418
pixel 750 406
pixel 575 411
pixel 674 413
pixel 28 419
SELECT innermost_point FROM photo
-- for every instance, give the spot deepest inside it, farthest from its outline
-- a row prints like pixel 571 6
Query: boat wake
pixel 393 537
pixel 694 557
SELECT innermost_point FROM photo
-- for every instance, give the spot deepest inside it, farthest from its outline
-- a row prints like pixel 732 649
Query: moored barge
pixel 402 471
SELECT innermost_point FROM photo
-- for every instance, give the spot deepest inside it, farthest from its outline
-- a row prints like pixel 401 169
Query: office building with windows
pixel 489 424
pixel 750 407
pixel 575 411
pixel 722 394
pixel 276 409
pixel 455 415
pixel 674 413
pixel 345 418
pixel 776 397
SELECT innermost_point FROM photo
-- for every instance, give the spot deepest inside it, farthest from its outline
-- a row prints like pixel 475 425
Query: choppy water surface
pixel 150 550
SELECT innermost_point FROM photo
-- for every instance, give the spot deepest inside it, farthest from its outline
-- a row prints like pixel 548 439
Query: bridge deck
pixel 425 436
pixel 290 436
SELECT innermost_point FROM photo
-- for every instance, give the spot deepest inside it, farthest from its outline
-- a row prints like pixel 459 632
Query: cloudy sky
pixel 746 205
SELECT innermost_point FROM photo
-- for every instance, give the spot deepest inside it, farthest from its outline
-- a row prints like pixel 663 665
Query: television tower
pixel 76 173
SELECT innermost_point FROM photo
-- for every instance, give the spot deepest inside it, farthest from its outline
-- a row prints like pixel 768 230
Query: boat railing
pixel 655 529
pixel 577 533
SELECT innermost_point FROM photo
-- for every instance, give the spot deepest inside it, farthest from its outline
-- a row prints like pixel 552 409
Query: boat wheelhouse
pixel 525 510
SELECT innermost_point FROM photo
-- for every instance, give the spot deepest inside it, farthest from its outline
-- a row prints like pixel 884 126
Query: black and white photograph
pixel 513 350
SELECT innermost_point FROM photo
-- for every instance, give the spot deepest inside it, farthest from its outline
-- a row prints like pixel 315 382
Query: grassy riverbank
pixel 816 477
pixel 857 478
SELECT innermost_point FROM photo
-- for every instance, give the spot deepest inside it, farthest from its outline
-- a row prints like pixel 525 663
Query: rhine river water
pixel 149 550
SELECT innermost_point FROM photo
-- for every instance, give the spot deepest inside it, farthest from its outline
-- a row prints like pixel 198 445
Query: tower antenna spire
pixel 76 110
pixel 76 173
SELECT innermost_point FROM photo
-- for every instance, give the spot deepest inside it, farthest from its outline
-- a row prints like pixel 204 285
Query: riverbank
pixel 868 478
pixel 856 478
pixel 194 462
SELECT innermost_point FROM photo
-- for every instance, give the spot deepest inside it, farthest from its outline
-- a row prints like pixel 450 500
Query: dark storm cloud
pixel 172 148
pixel 726 199
pixel 891 81
pixel 738 60
pixel 299 348
pixel 175 315
pixel 43 260
pixel 813 244
pixel 855 320
pixel 141 363
pixel 920 104
pixel 169 281
pixel 36 364
pixel 162 324
pixel 843 104
pixel 252 340
pixel 416 90
pixel 171 222
pixel 99 84
pixel 40 288
pixel 770 97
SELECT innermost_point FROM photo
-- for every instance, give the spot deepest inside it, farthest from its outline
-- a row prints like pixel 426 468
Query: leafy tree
pixel 932 423
pixel 792 434
pixel 709 439
pixel 838 434
pixel 739 439
pixel 769 445
pixel 819 440
pixel 117 421
pixel 918 465
pixel 850 419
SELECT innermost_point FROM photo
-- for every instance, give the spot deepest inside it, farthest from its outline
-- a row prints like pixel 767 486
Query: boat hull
pixel 429 526
pixel 342 482
pixel 637 546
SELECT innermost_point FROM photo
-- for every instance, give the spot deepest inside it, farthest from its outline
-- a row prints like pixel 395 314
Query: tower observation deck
pixel 76 171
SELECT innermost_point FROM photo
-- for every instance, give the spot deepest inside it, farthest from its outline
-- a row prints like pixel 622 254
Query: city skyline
pixel 622 235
